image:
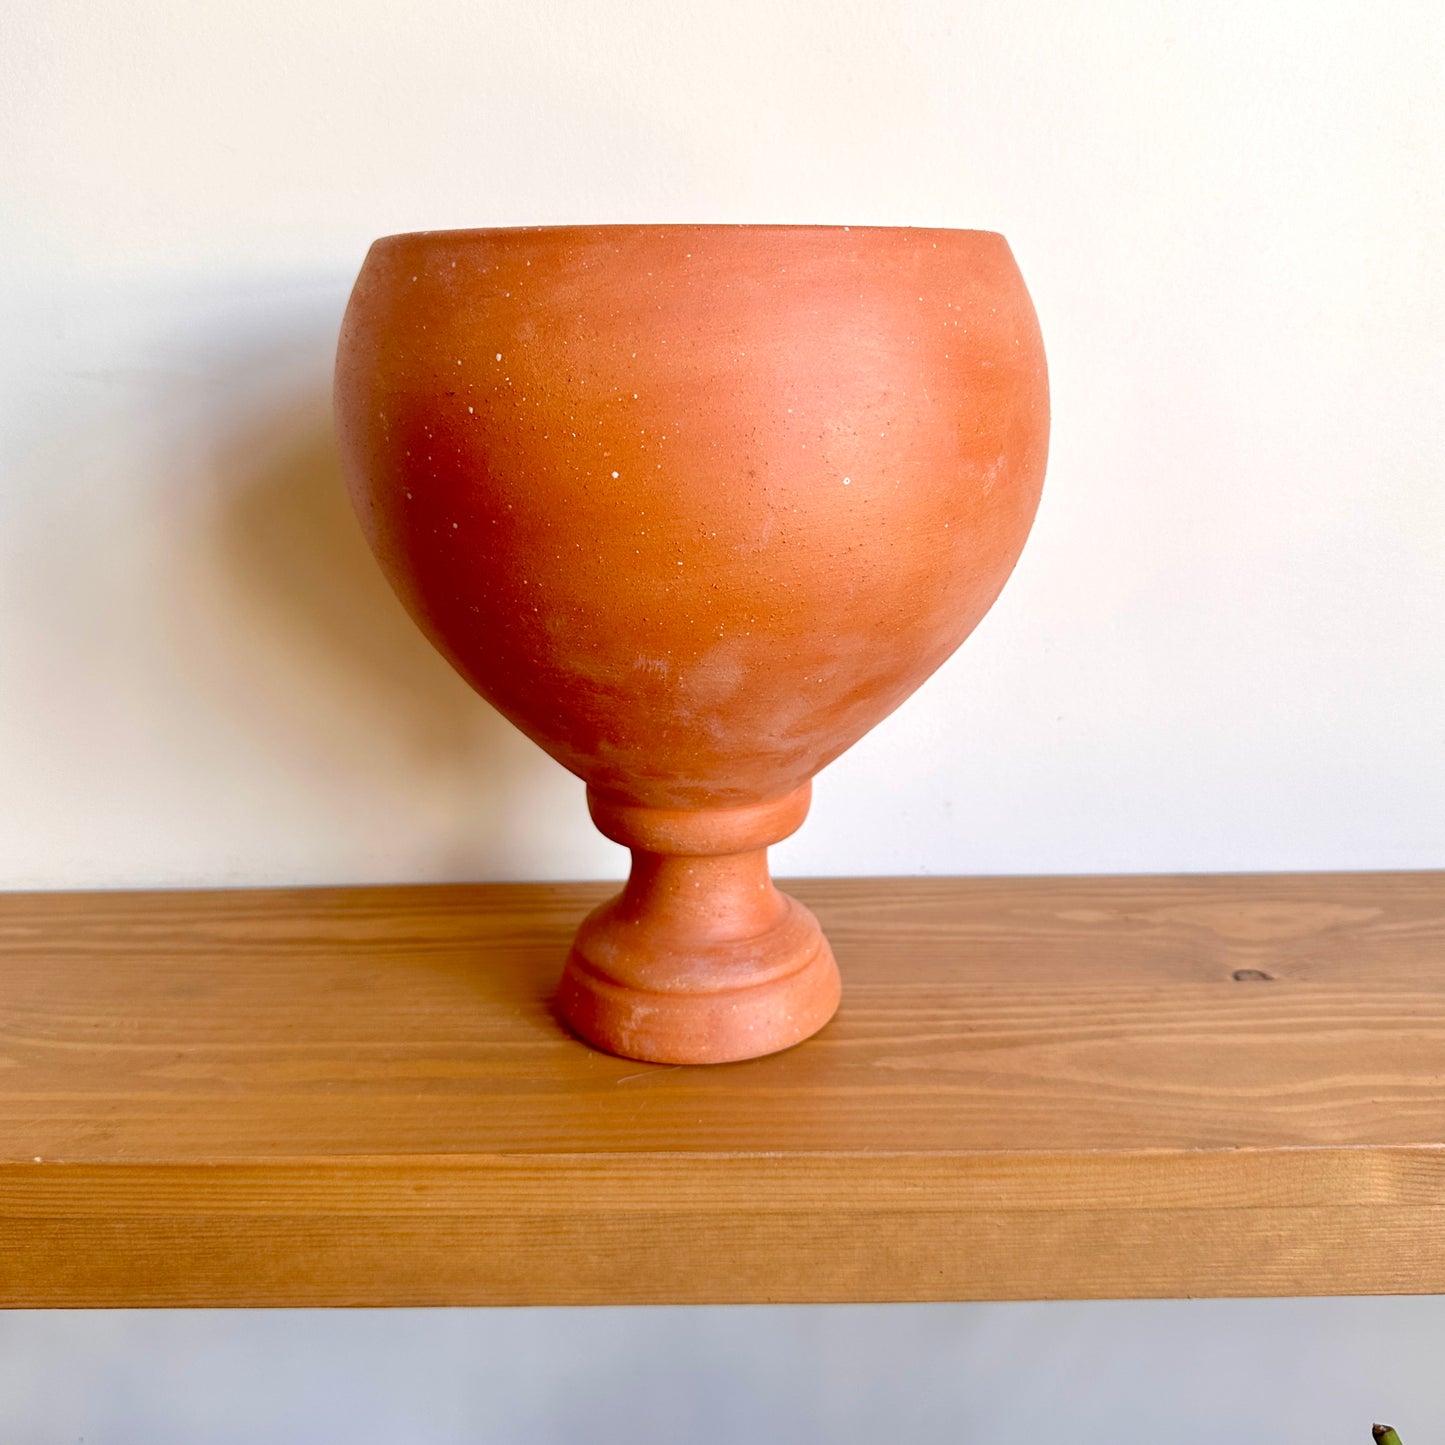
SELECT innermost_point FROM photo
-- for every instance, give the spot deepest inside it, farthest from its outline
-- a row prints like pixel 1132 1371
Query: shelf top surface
pixel 1012 1015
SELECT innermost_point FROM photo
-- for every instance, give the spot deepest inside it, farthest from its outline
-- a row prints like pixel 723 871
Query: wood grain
pixel 1036 1088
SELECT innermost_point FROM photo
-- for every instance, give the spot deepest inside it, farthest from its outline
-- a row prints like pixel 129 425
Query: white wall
pixel 1190 1372
pixel 1225 645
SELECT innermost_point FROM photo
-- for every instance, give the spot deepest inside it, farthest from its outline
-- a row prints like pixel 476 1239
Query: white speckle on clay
pixel 413 278
pixel 499 356
pixel 614 474
pixel 459 361
pixel 847 481
pixel 454 526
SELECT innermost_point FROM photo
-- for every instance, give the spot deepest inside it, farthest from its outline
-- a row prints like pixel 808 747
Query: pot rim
pixel 602 229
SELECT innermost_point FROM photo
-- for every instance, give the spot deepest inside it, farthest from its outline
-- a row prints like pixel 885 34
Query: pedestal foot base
pixel 723 1001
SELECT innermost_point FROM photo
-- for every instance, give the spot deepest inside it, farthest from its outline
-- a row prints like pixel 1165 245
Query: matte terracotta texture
pixel 694 507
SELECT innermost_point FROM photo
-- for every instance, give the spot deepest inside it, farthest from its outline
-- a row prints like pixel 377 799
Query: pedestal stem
pixel 699 959
pixel 726 896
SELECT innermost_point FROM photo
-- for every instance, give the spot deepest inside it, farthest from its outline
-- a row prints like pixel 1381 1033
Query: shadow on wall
pixel 286 536
pixel 207 675
pixel 300 638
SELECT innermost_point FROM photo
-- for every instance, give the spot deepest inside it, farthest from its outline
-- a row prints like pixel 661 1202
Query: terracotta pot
pixel 694 507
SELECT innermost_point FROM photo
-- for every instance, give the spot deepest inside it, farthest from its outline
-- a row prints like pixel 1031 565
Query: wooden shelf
pixel 1035 1088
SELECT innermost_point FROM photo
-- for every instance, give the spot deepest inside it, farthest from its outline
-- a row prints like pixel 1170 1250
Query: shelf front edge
pixel 707 1228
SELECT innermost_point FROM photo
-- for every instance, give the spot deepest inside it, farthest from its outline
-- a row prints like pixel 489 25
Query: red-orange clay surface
pixel 694 507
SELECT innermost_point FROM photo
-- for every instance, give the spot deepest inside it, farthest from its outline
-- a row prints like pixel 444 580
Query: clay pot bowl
pixel 694 507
